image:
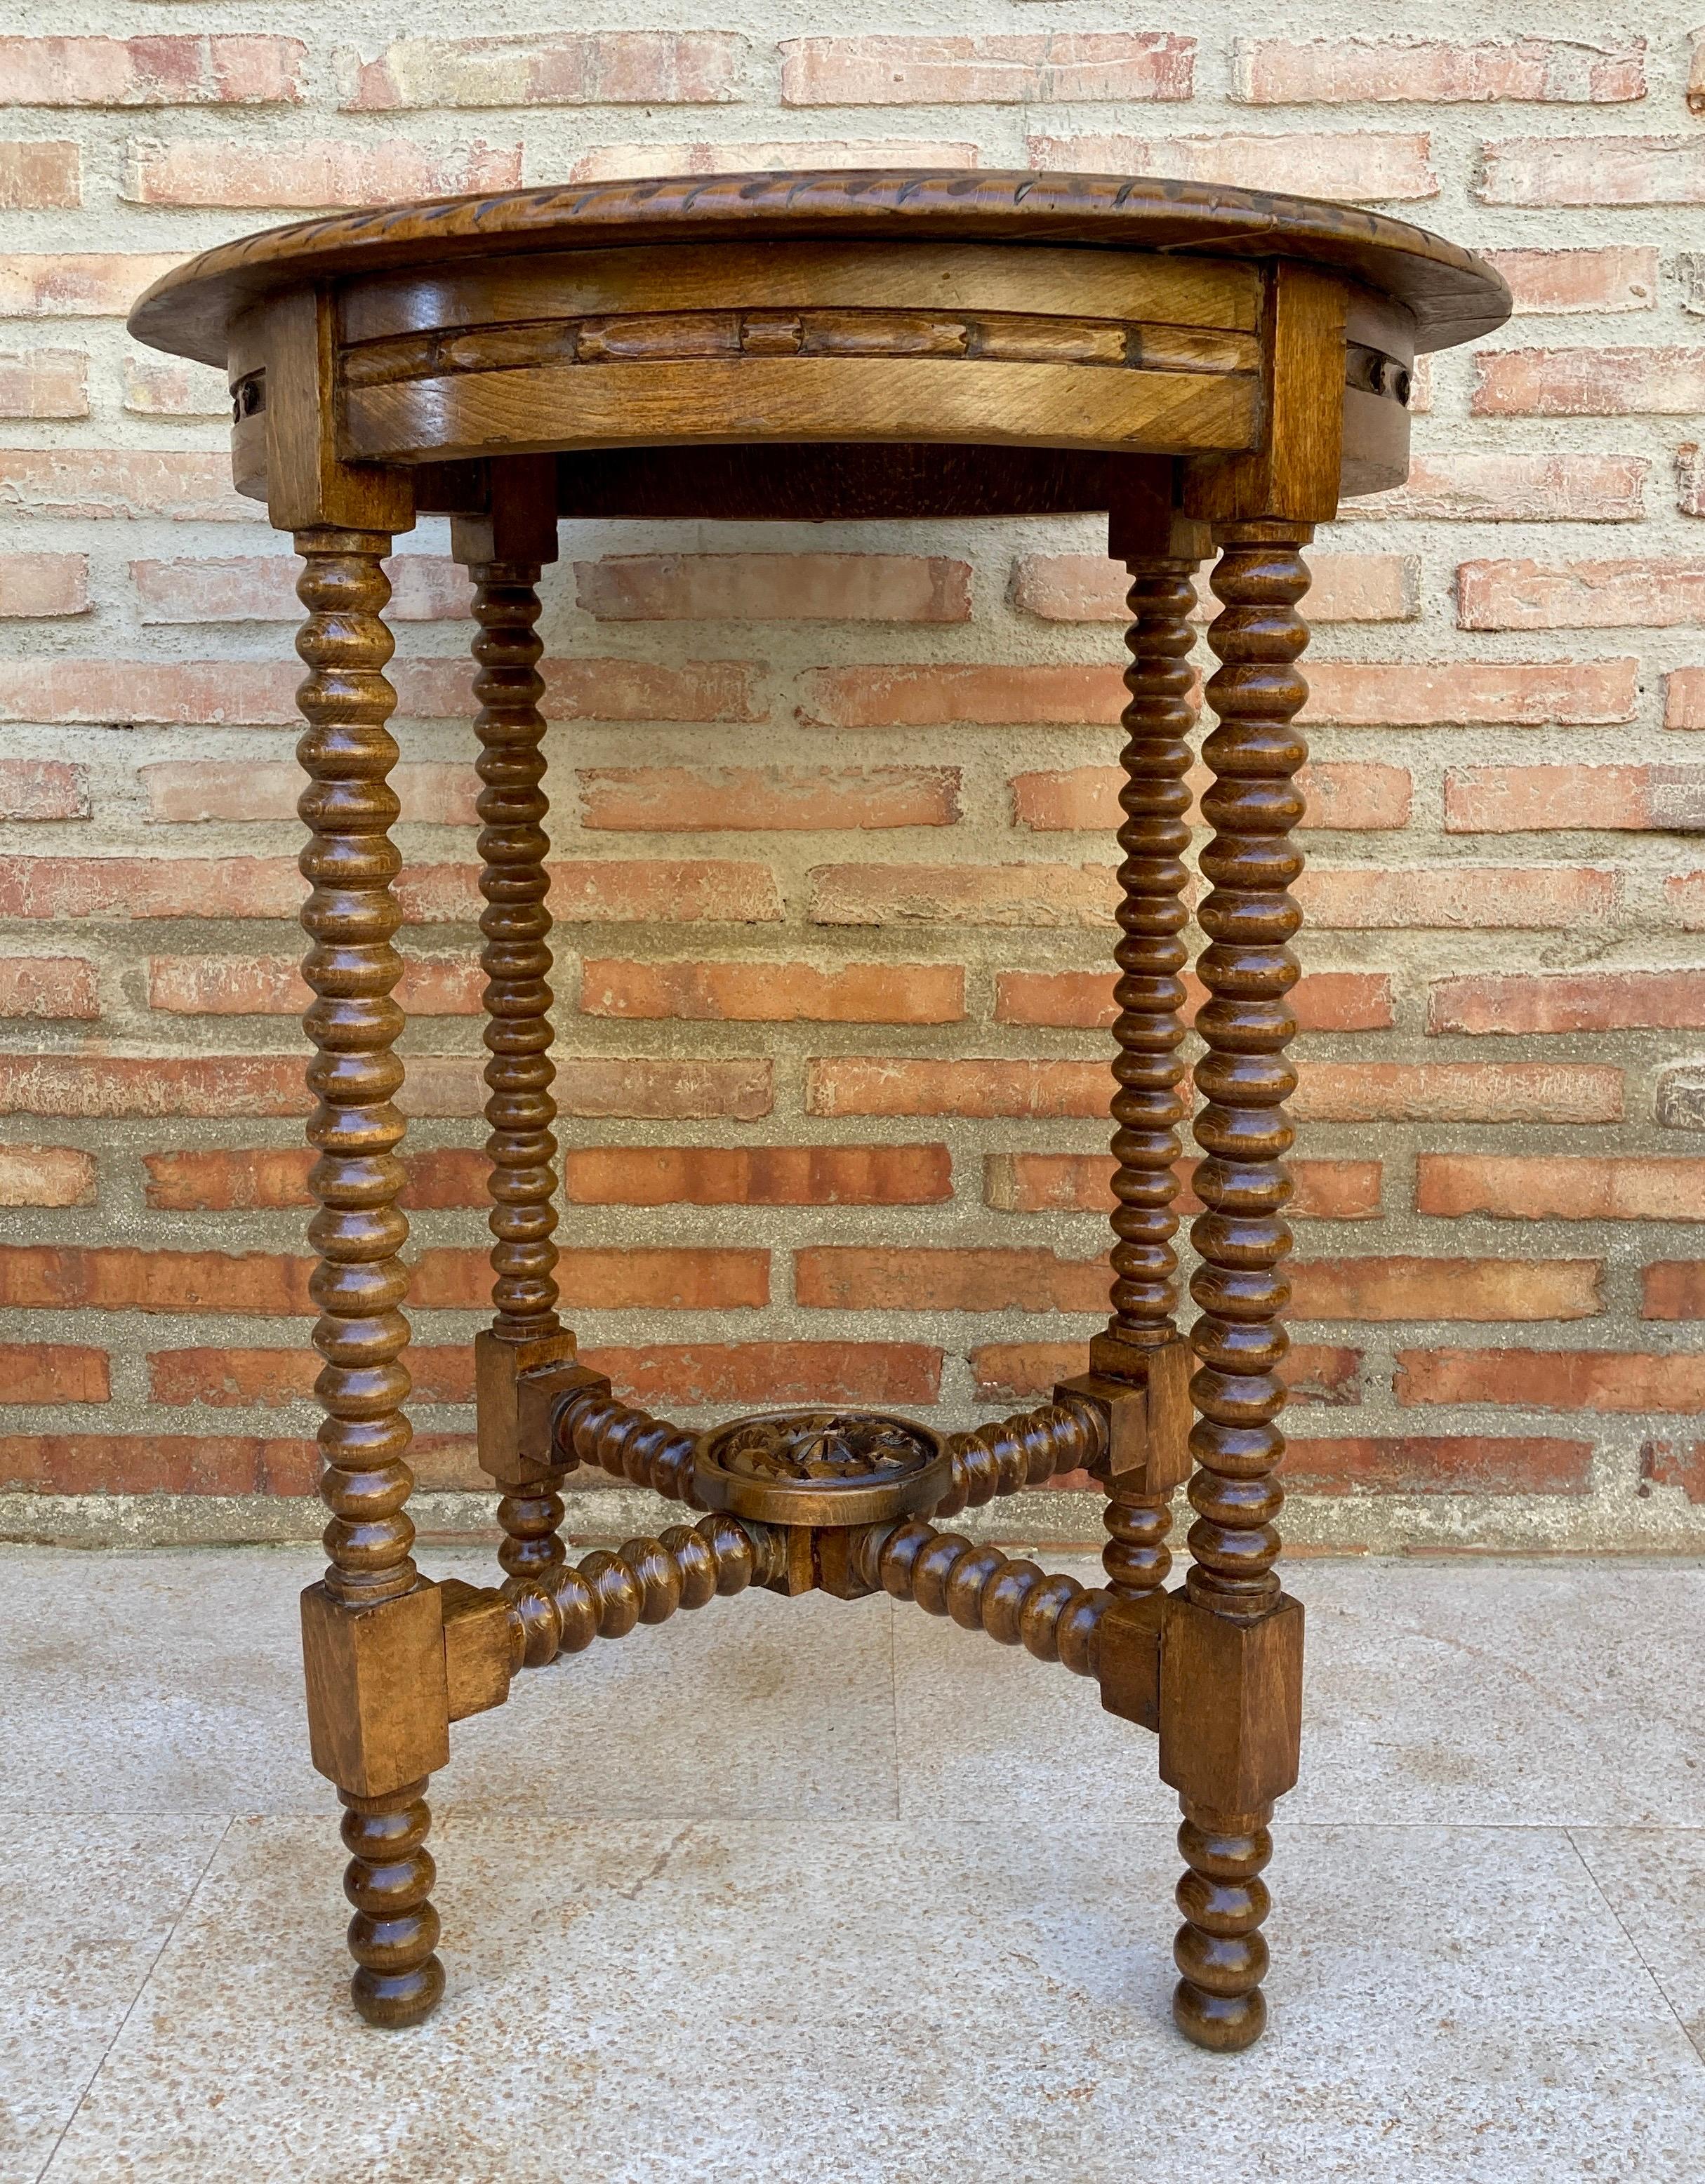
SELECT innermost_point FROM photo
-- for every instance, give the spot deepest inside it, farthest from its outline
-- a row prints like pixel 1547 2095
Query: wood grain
pixel 591 405
pixel 1453 295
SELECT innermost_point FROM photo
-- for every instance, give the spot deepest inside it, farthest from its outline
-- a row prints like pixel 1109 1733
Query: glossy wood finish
pixel 1243 1080
pixel 979 1588
pixel 1212 368
pixel 1148 1030
pixel 351 917
pixel 1451 295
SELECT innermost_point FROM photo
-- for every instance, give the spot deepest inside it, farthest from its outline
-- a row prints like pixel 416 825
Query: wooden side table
pixel 1214 368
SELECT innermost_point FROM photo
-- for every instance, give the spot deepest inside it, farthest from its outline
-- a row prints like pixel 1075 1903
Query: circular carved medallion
pixel 821 1466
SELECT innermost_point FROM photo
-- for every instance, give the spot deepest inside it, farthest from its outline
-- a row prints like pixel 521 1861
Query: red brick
pixel 1030 895
pixel 212 694
pixel 159 387
pixel 1375 165
pixel 1532 898
pixel 1570 1000
pixel 1515 488
pixel 40 383
pixel 861 1084
pixel 1435 72
pixel 1684 698
pixel 602 1086
pixel 748 992
pixel 1551 282
pixel 1083 1001
pixel 222 1182
pixel 1082 1183
pixel 187 791
pixel 1592 170
pixel 273 985
pixel 1020 70
pixel 1552 1379
pixel 1588 382
pixel 1673 1463
pixel 592 1280
pixel 1673 1288
pixel 687 799
pixel 117 1278
pixel 49 986
pixel 1342 587
pixel 196 71
pixel 1313 1372
pixel 1416 1463
pixel 584 891
pixel 226 1379
pixel 39 176
pixel 906 588
pixel 1340 794
pixel 992 696
pixel 1558 1188
pixel 34 585
pixel 757 1175
pixel 88 484
pixel 1513 693
pixel 156 1463
pixel 631 890
pixel 616 163
pixel 764 1373
pixel 46 1175
pixel 1445 1289
pixel 557 68
pixel 1648 594
pixel 310 172
pixel 1458 1092
pixel 43 788
pixel 102 1086
pixel 875 1278
pixel 592 689
pixel 76 284
pixel 262 587
pixel 230 692
pixel 1515 799
pixel 150 887
pixel 1527 899
pixel 54 1373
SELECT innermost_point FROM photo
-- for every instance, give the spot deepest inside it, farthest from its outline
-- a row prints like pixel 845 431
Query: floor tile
pixel 85 1906
pixel 173 1684
pixel 1526 1694
pixel 1654 1880
pixel 1559 1691
pixel 154 1680
pixel 835 2005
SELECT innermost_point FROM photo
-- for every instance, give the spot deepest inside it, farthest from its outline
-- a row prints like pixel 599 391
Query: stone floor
pixel 802 1891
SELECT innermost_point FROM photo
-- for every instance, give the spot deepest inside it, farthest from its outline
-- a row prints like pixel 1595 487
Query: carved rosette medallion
pixel 821 1466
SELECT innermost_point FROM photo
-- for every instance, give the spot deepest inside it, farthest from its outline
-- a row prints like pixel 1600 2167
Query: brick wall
pixel 834 871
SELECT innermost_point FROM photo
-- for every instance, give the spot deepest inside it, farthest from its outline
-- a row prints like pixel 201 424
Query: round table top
pixel 1454 295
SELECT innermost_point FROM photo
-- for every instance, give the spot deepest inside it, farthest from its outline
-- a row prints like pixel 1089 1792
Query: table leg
pixel 516 959
pixel 1232 1683
pixel 1150 1029
pixel 374 1627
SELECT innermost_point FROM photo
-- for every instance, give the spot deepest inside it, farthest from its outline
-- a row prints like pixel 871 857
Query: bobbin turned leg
pixel 373 1631
pixel 1141 1362
pixel 526 1356
pixel 1232 1654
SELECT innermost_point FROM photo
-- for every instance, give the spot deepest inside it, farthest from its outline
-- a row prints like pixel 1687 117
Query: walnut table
pixel 1213 368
